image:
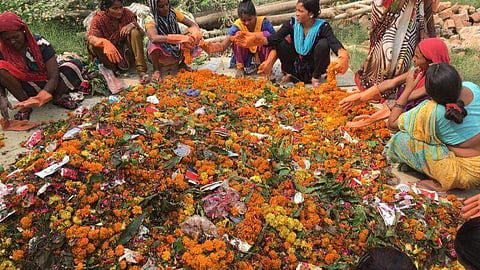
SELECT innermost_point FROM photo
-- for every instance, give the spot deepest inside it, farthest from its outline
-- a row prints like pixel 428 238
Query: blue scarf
pixel 303 45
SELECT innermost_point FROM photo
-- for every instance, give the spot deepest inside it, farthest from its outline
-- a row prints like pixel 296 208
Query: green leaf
pixel 284 172
pixel 127 136
pixel 172 163
pixel 178 245
pixel 219 150
pixel 96 178
pixel 372 143
pixel 297 212
pixel 131 230
pixel 298 187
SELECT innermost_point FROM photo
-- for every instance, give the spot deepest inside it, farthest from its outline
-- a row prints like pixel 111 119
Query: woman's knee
pixel 322 46
pixel 136 34
pixel 4 74
pixel 285 47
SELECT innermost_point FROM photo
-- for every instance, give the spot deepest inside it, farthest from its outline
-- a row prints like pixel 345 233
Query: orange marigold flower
pixel 119 250
pixel 330 258
pixel 419 235
pixel 137 210
pixel 26 222
pixel 17 255
pixel 82 242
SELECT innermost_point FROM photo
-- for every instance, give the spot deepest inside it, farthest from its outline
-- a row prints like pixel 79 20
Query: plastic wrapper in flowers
pixel 220 203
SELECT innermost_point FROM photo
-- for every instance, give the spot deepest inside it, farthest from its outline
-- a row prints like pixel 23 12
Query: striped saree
pixel 396 30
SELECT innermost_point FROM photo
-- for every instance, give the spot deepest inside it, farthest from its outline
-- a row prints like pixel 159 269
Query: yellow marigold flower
pixel 137 210
pixel 204 176
pixel 166 255
pixel 256 179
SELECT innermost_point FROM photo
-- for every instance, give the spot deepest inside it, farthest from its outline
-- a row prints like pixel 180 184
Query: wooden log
pixel 329 14
pixel 212 20
pixel 346 15
pixel 279 19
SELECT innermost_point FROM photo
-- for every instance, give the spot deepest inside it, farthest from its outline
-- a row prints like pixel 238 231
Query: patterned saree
pixel 417 145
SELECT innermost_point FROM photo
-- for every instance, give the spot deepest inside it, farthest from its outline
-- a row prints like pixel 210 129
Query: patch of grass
pixel 350 33
pixel 353 35
pixel 357 57
pixel 63 38
pixel 475 3
pixel 468 64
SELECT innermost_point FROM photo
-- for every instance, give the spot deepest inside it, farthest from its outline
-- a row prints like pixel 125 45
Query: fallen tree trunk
pixel 212 20
pixel 349 14
pixel 277 20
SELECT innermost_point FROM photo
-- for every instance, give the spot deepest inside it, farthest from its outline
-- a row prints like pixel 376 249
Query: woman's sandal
pixel 23 114
pixel 156 76
pixel 66 102
pixel 144 78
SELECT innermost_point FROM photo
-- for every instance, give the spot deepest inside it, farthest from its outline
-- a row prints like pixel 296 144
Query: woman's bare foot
pixel 156 76
pixel 143 78
pixel 285 78
pixel 430 185
pixel 315 82
pixel 239 73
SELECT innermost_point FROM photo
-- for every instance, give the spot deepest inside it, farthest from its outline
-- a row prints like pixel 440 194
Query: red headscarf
pixel 435 50
pixel 14 62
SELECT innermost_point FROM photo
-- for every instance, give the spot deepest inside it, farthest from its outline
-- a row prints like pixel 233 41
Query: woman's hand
pixel 471 207
pixel 180 39
pixel 413 77
pixel 125 31
pixel 248 39
pixel 196 33
pixel 4 106
pixel 348 102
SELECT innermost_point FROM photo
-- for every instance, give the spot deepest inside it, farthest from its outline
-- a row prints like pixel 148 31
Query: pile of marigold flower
pixel 214 172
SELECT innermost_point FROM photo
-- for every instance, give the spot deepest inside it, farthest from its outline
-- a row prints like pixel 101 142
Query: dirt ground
pixel 50 112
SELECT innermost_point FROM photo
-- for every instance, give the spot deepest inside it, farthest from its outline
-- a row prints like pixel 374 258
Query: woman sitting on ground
pixel 467 244
pixel 428 51
pixel 116 39
pixel 305 53
pixel 166 44
pixel 385 258
pixel 29 70
pixel 471 208
pixel 441 137
pixel 246 59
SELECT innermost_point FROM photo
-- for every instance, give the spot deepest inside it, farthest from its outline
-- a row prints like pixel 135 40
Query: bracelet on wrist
pixel 400 106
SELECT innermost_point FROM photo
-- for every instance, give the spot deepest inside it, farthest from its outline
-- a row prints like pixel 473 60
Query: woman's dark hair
pixel 443 85
pixel 106 4
pixel 312 6
pixel 467 244
pixel 246 7
pixel 385 258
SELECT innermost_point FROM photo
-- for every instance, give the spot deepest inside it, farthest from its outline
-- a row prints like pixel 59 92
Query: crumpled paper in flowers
pixel 197 225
